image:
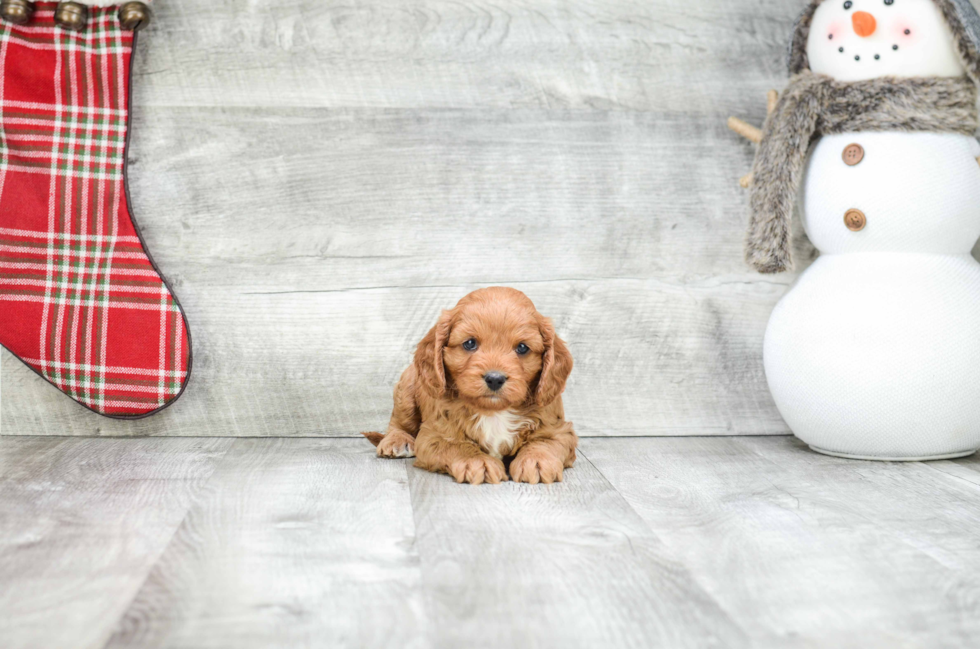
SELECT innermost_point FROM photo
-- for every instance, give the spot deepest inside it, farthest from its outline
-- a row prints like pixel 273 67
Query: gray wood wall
pixel 318 178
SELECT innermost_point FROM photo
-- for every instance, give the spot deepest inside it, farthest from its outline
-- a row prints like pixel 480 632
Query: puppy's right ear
pixel 428 356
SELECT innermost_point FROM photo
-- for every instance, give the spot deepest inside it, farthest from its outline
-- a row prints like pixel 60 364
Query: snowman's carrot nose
pixel 864 23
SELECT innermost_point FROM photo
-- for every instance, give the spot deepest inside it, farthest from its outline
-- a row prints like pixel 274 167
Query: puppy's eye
pixel 522 349
pixel 471 345
pixel 848 4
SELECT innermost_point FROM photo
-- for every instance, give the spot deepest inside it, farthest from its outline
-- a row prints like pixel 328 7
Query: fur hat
pixel 960 15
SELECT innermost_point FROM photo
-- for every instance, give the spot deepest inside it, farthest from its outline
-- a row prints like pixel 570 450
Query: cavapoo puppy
pixel 484 395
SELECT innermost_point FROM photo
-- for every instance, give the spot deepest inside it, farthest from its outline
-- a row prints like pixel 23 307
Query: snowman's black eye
pixel 471 345
pixel 848 4
pixel 889 2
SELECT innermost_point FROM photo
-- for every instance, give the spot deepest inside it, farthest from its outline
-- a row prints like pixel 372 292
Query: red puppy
pixel 485 389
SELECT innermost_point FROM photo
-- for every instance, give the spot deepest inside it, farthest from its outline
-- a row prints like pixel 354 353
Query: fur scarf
pixel 814 105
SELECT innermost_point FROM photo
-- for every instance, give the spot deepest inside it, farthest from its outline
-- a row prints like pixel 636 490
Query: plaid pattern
pixel 80 301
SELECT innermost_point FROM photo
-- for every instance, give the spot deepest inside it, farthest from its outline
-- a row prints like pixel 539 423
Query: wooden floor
pixel 659 542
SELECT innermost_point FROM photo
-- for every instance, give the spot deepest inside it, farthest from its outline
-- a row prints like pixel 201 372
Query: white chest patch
pixel 498 431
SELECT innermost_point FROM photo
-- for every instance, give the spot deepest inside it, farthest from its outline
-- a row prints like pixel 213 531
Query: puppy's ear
pixel 428 356
pixel 556 364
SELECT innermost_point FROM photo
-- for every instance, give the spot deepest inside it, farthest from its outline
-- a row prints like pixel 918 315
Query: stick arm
pixel 746 130
pixel 753 133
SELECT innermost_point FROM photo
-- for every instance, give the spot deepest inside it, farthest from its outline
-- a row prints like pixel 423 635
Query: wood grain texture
pixel 967 468
pixel 314 272
pixel 318 178
pixel 592 54
pixel 670 542
pixel 563 565
pixel 298 543
pixel 82 522
pixel 804 550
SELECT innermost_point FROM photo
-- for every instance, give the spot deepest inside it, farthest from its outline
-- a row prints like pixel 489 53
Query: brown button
pixel 853 154
pixel 855 220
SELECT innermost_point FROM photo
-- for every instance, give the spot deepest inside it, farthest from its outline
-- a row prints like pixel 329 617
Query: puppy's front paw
pixel 397 444
pixel 534 465
pixel 477 470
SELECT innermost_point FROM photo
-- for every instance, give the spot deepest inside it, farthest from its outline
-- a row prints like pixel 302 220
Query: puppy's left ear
pixel 429 356
pixel 556 364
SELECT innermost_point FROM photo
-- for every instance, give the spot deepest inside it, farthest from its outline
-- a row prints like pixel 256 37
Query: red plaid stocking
pixel 80 300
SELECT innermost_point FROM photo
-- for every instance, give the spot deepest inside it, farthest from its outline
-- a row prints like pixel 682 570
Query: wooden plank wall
pixel 319 178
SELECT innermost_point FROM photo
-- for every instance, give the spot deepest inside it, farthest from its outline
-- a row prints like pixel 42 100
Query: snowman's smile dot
pixel 841 50
pixel 857 58
pixel 877 56
pixel 894 47
pixel 830 36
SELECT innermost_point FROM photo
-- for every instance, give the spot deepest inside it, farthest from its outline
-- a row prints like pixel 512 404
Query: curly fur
pixel 815 104
pixel 453 423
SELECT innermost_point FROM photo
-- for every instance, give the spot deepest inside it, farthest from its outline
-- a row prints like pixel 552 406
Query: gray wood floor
pixel 669 542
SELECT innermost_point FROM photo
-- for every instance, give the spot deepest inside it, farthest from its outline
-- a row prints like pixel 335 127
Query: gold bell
pixel 134 16
pixel 71 15
pixel 18 12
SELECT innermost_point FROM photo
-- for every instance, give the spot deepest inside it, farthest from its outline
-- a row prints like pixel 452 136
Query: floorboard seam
pixel 697 582
pixel 195 500
pixel 894 530
pixel 426 608
pixel 931 466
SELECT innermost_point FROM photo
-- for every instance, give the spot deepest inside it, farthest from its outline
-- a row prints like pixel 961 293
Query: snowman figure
pixel 874 353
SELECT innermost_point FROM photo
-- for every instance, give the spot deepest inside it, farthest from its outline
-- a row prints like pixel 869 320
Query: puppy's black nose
pixel 494 380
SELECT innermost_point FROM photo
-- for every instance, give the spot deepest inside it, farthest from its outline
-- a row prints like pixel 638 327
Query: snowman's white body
pixel 875 350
